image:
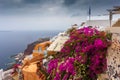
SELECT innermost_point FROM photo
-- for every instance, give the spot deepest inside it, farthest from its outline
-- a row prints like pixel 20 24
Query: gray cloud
pixel 69 2
pixel 32 1
pixel 97 6
pixel 49 10
pixel 72 6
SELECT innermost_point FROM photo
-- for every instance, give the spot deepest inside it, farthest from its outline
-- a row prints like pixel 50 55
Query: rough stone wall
pixel 113 59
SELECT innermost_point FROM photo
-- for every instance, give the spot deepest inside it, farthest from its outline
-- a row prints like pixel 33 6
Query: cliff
pixel 31 46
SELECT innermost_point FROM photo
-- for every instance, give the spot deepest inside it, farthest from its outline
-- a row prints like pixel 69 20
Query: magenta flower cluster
pixel 68 66
pixel 52 65
pixel 84 56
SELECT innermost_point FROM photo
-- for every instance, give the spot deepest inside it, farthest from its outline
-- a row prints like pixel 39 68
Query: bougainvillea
pixel 83 56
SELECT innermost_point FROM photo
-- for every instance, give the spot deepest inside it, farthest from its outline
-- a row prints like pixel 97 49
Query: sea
pixel 14 42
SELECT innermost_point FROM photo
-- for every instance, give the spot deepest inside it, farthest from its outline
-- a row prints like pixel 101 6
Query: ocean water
pixel 13 42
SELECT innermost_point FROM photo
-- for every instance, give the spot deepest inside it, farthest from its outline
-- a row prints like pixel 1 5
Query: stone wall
pixel 113 59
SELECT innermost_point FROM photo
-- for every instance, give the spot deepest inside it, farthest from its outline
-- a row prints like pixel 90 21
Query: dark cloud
pixel 76 3
pixel 98 7
pixel 32 1
pixel 18 3
pixel 69 2
pixel 48 13
pixel 73 7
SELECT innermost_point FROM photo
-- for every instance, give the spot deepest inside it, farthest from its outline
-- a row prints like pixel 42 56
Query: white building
pixel 101 24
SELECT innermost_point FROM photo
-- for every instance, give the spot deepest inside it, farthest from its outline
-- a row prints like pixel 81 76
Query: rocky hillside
pixel 31 46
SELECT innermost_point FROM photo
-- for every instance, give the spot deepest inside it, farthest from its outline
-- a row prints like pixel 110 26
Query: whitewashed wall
pixel 1 74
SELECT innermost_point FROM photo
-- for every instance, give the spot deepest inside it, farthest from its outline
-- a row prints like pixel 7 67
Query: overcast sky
pixel 49 14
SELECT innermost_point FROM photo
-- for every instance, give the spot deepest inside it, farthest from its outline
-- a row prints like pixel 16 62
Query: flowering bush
pixel 15 68
pixel 83 56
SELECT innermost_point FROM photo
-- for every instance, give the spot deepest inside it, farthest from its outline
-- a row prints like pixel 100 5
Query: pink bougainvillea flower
pixel 68 66
pixel 86 52
pixel 57 77
pixel 52 65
